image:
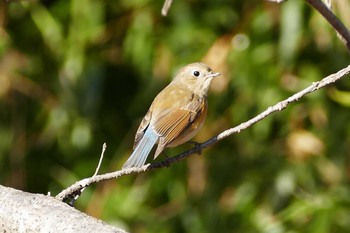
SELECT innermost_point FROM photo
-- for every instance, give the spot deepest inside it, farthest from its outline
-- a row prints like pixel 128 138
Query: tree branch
pixel 340 28
pixel 333 20
pixel 69 192
pixel 166 7
pixel 28 212
pixel 76 194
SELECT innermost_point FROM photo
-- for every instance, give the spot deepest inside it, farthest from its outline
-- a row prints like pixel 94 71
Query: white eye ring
pixel 196 73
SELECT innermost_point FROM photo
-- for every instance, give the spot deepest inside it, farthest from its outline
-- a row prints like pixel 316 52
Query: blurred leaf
pixel 291 30
pixel 341 97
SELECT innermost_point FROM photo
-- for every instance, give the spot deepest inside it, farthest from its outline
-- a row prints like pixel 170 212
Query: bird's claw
pixel 197 146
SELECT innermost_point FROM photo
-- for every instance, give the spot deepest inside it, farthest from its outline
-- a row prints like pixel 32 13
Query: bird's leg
pixel 166 162
pixel 197 146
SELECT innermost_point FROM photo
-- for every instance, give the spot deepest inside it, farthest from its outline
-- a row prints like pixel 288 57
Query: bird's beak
pixel 214 75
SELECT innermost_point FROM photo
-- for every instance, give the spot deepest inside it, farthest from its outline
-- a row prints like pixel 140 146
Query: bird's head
pixel 197 77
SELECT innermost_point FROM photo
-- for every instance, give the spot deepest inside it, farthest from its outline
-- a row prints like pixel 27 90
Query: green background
pixel 76 74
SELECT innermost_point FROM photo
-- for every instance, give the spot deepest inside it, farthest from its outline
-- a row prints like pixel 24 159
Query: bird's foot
pixel 197 145
pixel 166 162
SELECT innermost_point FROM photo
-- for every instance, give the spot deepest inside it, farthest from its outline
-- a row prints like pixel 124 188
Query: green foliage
pixel 75 74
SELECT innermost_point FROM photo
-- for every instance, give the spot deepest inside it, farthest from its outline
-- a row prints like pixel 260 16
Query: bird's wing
pixel 168 126
pixel 174 122
pixel 142 128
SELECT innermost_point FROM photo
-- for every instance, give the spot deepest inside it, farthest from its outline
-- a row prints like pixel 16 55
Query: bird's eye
pixel 196 73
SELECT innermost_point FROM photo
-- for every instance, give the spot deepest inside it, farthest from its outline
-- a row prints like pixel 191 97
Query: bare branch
pixel 79 185
pixel 67 193
pixel 326 12
pixel 166 7
pixel 77 193
pixel 104 146
pixel 29 212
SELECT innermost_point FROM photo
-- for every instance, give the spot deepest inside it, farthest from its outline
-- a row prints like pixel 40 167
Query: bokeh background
pixel 75 74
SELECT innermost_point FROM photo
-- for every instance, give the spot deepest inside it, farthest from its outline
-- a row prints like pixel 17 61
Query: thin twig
pixel 326 12
pixel 104 146
pixel 277 107
pixel 329 4
pixel 73 196
pixel 87 181
pixel 166 7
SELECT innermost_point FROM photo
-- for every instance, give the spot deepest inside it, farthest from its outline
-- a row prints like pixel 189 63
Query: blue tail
pixel 139 155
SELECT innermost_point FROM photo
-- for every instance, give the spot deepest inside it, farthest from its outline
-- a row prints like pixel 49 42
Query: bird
pixel 176 114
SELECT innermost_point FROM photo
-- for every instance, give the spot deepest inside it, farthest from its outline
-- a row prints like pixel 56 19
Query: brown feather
pixel 142 128
pixel 170 127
